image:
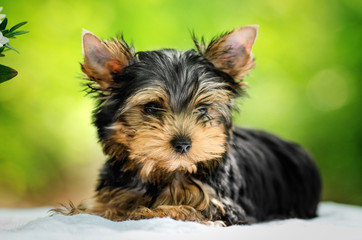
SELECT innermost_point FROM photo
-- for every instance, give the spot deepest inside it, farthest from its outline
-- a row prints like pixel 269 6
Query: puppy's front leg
pixel 181 212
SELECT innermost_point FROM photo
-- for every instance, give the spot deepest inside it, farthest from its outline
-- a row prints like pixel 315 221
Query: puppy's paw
pixel 215 223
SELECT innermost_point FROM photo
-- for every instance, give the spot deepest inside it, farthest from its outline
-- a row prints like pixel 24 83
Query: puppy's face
pixel 166 111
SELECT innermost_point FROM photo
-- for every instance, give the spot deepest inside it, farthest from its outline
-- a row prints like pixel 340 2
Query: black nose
pixel 181 145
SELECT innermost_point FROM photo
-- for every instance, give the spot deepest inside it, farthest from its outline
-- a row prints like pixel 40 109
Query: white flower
pixel 1 15
pixel 3 40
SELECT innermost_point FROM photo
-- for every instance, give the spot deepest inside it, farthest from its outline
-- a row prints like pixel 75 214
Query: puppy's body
pixel 260 178
pixel 164 118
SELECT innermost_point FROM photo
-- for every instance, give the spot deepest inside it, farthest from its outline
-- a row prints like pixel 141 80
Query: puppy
pixel 164 119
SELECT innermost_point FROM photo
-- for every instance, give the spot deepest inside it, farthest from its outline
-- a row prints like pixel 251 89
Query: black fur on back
pixel 268 177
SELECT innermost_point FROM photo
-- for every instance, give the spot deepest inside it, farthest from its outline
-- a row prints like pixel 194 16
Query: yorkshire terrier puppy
pixel 164 119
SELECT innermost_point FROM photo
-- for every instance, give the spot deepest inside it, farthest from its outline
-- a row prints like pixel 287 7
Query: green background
pixel 306 86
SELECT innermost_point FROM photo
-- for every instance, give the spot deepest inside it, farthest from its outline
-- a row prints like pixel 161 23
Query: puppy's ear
pixel 103 60
pixel 231 52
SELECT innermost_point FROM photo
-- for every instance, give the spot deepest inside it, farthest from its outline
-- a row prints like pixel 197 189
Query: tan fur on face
pixel 151 146
pixel 148 139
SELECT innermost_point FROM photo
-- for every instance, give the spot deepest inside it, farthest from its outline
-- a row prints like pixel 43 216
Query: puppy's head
pixel 167 111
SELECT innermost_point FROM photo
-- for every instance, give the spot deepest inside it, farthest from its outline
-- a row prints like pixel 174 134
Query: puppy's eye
pixel 151 108
pixel 203 110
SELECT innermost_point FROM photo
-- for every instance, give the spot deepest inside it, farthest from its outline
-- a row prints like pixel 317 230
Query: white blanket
pixel 335 221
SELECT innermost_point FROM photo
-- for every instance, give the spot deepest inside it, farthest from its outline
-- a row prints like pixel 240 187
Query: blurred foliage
pixel 7 73
pixel 306 86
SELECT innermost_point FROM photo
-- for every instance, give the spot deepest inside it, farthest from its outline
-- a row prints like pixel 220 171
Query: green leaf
pixel 17 26
pixel 3 24
pixel 6 73
pixel 13 34
pixel 5 32
pixel 9 46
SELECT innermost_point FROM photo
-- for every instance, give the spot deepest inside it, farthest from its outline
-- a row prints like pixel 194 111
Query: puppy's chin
pixel 156 169
pixel 182 163
pixel 161 169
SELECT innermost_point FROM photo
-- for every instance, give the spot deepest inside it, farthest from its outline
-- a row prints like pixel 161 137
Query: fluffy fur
pixel 164 119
